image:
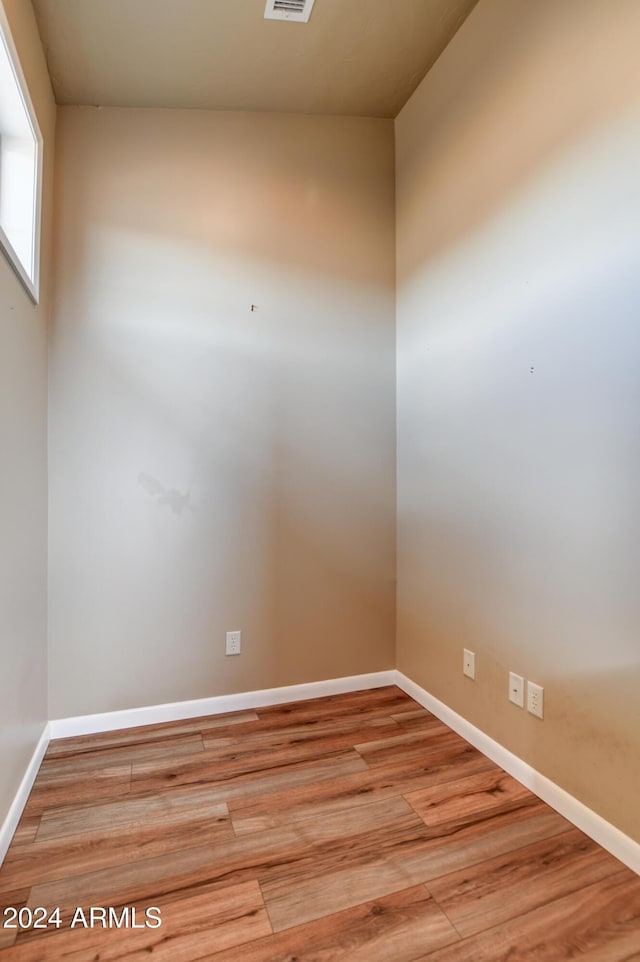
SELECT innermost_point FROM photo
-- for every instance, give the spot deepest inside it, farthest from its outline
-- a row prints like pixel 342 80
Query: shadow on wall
pixel 177 501
pixel 216 467
pixel 518 390
pixel 519 449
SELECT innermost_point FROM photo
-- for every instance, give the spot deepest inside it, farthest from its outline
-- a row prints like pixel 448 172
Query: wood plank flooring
pixel 355 827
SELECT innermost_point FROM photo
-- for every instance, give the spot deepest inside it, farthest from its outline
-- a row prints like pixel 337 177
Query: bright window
pixel 20 167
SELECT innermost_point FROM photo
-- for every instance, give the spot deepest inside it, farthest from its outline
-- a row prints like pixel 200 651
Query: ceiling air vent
pixel 298 11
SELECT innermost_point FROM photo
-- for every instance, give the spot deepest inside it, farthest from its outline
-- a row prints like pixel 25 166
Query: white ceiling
pixel 358 57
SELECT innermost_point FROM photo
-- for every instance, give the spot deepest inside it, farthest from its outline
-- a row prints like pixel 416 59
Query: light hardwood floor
pixel 354 827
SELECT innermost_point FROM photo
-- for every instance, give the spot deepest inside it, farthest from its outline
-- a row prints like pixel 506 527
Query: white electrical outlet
pixel 234 639
pixel 516 689
pixel 535 699
pixel 469 663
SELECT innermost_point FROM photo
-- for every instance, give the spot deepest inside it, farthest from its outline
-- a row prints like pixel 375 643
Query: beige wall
pixel 211 467
pixel 23 468
pixel 518 230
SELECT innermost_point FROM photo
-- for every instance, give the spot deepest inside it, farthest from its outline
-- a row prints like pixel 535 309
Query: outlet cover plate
pixel 469 663
pixel 535 699
pixel 516 689
pixel 234 640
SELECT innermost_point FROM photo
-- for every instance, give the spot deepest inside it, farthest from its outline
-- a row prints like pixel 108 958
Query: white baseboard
pixel 10 823
pixel 604 833
pixel 216 705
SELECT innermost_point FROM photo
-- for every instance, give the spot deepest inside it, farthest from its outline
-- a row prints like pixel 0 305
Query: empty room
pixel 319 514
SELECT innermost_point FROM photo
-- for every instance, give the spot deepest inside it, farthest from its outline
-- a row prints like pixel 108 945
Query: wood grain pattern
pixel 380 701
pixel 227 785
pixel 465 842
pixel 411 714
pixel 307 898
pixel 228 757
pixel 7 939
pixel 17 900
pixel 482 792
pixel 167 751
pixel 296 743
pixel 160 732
pixel 598 923
pixel 380 862
pixel 127 812
pixel 394 928
pixel 27 830
pixel 353 827
pixel 288 850
pixel 193 928
pixel 108 847
pixel 490 892
pixel 415 719
pixel 335 795
pixel 408 745
pixel 51 790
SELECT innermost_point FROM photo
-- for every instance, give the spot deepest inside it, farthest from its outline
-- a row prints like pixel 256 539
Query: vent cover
pixel 297 10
